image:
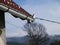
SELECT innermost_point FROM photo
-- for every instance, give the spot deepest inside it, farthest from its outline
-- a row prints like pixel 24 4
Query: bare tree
pixel 36 32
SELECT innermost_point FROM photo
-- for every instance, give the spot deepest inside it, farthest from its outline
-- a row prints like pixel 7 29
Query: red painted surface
pixel 13 5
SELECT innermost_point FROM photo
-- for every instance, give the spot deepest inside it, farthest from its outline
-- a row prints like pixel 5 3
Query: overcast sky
pixel 47 9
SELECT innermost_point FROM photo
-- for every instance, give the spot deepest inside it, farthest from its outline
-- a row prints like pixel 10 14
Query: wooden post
pixel 2 29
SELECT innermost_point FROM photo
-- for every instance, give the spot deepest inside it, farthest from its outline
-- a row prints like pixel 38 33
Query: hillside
pixel 24 40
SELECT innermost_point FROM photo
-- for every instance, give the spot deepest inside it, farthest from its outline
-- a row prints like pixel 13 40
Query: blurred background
pixel 47 9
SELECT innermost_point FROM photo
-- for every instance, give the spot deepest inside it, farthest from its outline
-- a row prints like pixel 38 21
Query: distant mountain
pixel 16 43
pixel 57 37
pixel 24 40
pixel 52 39
pixel 18 39
pixel 13 43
